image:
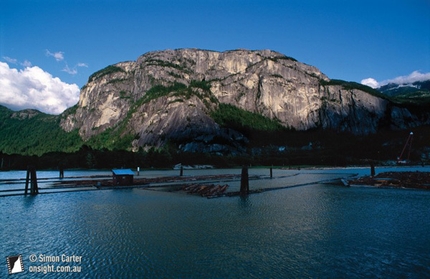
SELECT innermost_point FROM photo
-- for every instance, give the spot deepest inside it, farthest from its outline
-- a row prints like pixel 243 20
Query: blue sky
pixel 62 42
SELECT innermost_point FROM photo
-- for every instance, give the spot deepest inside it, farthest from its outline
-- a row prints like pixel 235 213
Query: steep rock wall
pixel 263 82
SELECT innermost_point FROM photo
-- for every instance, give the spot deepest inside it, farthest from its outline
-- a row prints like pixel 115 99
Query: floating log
pixel 345 182
pixel 205 190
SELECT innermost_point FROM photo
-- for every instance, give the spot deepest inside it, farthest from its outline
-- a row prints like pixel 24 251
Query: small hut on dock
pixel 122 176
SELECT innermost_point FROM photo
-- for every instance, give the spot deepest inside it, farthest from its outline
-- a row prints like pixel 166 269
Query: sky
pixel 49 48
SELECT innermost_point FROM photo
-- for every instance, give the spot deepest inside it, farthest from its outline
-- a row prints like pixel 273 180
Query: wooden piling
pixel 244 182
pixel 181 172
pixel 61 169
pixel 32 179
pixel 27 178
pixel 271 172
pixel 372 169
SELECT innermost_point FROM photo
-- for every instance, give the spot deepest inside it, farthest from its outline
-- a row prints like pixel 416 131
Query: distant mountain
pixel 417 93
pixel 212 102
pixel 394 89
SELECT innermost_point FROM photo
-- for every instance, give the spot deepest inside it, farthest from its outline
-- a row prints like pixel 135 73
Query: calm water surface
pixel 318 230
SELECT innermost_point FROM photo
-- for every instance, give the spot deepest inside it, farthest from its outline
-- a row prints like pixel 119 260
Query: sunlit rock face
pixel 264 82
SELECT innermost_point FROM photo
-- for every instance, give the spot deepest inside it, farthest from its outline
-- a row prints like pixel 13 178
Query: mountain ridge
pixel 265 82
pixel 171 97
pixel 392 88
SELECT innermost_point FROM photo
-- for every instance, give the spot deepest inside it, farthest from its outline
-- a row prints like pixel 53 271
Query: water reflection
pixel 244 201
pixel 310 231
pixel 29 201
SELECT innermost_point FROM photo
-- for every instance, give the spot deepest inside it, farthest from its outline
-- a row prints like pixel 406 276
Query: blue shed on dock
pixel 122 176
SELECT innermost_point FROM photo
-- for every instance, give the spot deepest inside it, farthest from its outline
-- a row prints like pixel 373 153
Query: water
pixel 318 230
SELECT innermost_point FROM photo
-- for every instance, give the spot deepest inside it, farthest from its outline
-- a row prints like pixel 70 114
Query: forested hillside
pixel 30 132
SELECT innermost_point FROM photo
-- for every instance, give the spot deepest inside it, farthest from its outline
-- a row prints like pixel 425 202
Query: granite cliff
pixel 169 96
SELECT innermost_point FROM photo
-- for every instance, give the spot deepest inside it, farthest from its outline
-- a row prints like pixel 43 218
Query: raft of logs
pixel 205 190
pixel 146 181
pixel 414 180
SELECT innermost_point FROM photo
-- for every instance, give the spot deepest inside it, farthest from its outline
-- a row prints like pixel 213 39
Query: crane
pixel 408 145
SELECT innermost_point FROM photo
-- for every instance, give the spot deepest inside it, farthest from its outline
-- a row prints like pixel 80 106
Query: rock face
pixel 121 97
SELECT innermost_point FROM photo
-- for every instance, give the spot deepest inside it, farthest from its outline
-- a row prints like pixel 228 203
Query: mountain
pixel 172 96
pixel 394 89
pixel 31 132
pixel 414 93
pixel 220 103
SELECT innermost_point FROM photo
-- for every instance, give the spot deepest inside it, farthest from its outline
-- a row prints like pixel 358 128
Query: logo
pixel 15 264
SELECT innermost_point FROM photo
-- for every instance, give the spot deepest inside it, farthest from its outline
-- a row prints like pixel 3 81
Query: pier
pixel 210 184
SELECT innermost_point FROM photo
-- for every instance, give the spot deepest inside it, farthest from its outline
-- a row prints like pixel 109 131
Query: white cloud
pixel 10 60
pixel 370 82
pixel 59 55
pixel 69 70
pixel 74 70
pixel 34 88
pixel 26 63
pixel 411 78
